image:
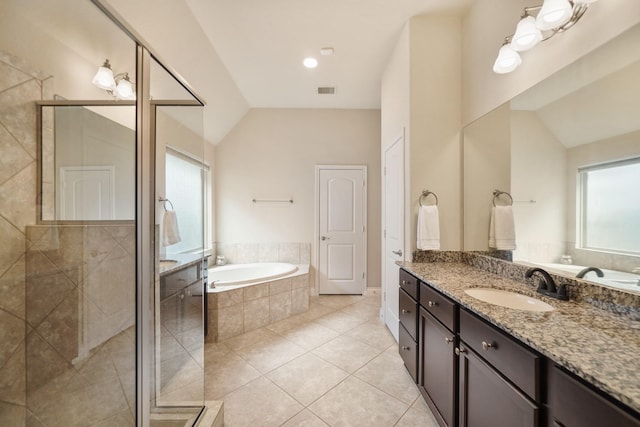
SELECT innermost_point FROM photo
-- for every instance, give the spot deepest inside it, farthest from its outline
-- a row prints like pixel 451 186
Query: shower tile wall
pixel 20 86
pixel 241 253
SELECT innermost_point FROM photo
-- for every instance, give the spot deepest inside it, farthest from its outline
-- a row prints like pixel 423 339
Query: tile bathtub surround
pixel 600 346
pixel 243 253
pixel 236 311
pixel 335 364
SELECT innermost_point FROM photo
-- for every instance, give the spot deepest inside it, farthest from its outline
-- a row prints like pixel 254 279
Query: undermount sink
pixel 167 263
pixel 509 299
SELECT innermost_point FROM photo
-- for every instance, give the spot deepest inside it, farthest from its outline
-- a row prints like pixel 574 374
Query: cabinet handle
pixel 448 340
pixel 404 282
pixel 403 311
pixel 432 303
pixel 487 345
pixel 460 351
pixel 404 347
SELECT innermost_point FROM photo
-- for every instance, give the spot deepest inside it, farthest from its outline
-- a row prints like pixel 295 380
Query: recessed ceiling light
pixel 310 62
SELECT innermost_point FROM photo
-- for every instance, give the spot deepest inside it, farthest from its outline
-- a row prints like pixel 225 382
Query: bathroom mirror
pixel 87 161
pixel 568 152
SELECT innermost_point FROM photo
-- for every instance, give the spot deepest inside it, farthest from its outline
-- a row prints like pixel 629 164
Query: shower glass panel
pixel 68 304
pixel 179 294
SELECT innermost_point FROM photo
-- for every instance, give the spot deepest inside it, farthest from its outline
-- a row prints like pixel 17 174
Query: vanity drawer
pixel 441 307
pixel 520 365
pixel 409 283
pixel 408 313
pixel 408 351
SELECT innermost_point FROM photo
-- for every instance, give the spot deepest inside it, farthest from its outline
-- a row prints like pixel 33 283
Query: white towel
pixel 170 231
pixel 428 228
pixel 502 230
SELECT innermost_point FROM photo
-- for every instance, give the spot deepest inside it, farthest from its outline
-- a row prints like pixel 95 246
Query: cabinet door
pixel 575 405
pixel 438 368
pixel 487 399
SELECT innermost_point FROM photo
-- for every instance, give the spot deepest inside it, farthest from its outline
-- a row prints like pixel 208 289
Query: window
pixel 187 187
pixel 610 206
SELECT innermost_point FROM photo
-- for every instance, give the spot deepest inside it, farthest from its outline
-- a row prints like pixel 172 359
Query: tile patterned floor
pixel 335 365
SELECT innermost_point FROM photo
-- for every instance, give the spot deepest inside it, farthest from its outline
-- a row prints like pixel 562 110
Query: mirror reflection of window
pixel 610 207
pixel 186 188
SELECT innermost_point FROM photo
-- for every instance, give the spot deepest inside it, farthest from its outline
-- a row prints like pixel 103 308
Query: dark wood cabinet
pixel 408 328
pixel 437 378
pixel 574 404
pixel 488 399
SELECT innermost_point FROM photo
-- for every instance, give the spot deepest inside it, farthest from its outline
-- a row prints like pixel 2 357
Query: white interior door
pixel 393 234
pixel 86 193
pixel 342 216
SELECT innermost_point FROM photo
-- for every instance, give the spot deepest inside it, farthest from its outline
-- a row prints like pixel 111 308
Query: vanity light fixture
pixel 119 86
pixel 538 23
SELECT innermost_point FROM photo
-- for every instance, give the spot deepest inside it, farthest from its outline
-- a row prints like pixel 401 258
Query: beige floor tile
pixel 315 311
pixel 307 378
pixel 259 403
pixel 373 333
pixel 311 335
pixel 362 310
pixel 249 339
pixel 340 322
pixel 268 355
pixel 356 403
pixel 414 417
pixel 227 375
pixel 387 373
pixel 305 419
pixel 346 353
pixel 338 301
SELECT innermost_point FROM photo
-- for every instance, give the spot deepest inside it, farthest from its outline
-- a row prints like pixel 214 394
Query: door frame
pixel 316 221
pixel 401 139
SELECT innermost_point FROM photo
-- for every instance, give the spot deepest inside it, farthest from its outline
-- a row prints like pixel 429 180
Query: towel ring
pixel 164 203
pixel 498 193
pixel 426 193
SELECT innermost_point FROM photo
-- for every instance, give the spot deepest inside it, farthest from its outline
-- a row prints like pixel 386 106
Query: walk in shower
pixel 89 335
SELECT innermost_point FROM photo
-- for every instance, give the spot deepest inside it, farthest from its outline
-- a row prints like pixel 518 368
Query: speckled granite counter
pixel 182 261
pixel 600 346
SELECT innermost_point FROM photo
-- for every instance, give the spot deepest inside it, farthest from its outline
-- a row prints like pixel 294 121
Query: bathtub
pixel 612 278
pixel 233 276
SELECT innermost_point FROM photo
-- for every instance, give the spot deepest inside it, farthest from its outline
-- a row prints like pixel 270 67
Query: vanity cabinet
pixel 574 404
pixel 408 315
pixel 499 382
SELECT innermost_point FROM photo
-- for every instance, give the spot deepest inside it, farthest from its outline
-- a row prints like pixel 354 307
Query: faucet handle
pixel 562 292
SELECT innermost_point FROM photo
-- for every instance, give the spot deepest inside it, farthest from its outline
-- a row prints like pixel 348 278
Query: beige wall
pixel 489 21
pixel 272 153
pixel 421 94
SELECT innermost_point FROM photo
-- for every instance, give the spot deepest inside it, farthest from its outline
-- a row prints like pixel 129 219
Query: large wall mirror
pixel 88 160
pixel 568 152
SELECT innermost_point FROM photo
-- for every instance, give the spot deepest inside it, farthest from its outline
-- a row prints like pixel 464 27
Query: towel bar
pixel 498 193
pixel 426 193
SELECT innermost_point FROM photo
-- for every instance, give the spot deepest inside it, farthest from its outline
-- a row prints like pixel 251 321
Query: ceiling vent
pixel 326 90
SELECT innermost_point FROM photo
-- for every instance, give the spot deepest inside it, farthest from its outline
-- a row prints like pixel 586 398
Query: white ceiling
pixel 262 44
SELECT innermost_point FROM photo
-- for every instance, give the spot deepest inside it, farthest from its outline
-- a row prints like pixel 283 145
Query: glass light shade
pixel 527 34
pixel 124 90
pixel 584 1
pixel 104 79
pixel 554 13
pixel 507 61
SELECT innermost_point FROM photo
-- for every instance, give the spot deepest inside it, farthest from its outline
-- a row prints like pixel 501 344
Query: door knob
pixel 324 238
pixel 398 252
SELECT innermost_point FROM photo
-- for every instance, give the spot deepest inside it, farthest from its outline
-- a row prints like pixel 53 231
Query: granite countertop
pixel 183 260
pixel 599 346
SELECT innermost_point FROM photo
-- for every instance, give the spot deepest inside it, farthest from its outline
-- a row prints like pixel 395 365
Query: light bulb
pixel 124 90
pixel 310 62
pixel 554 14
pixel 527 34
pixel 507 60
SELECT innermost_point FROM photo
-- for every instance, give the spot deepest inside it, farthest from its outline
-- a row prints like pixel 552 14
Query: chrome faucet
pixel 582 272
pixel 546 284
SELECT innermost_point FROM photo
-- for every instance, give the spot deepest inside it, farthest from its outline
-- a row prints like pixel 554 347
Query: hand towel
pixel 502 229
pixel 170 231
pixel 428 228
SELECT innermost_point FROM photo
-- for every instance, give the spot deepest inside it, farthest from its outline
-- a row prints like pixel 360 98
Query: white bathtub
pixel 238 275
pixel 612 278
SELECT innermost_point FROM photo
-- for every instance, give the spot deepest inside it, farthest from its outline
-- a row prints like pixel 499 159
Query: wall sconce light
pixel 119 86
pixel 551 17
